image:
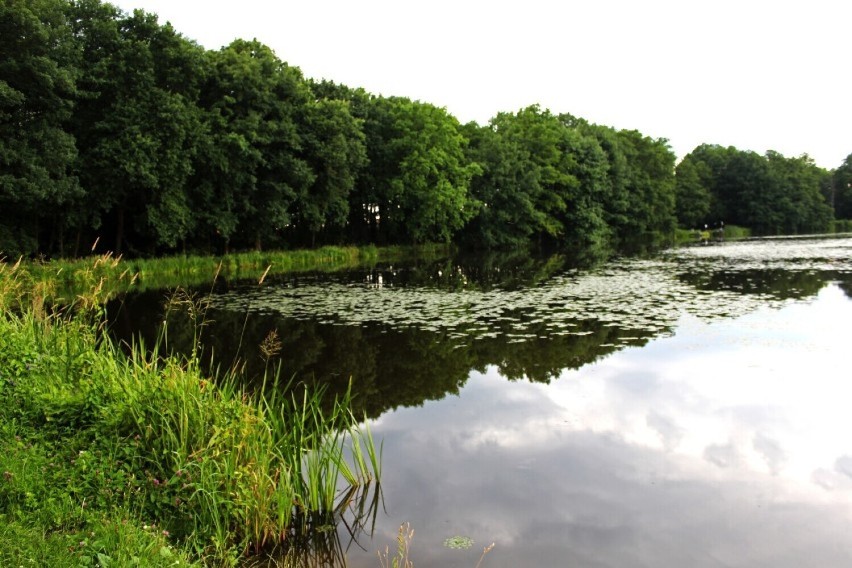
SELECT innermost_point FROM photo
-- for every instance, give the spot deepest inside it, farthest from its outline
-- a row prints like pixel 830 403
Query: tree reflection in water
pixel 406 334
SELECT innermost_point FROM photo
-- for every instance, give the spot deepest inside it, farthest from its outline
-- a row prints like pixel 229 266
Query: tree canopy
pixel 841 190
pixel 116 129
pixel 770 194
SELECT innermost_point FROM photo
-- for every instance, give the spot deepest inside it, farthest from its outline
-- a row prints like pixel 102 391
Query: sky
pixel 754 74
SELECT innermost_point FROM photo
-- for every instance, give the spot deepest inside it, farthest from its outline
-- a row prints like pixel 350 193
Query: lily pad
pixel 458 542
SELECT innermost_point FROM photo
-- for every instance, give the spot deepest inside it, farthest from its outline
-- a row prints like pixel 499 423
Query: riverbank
pixel 726 233
pixel 113 460
pixel 95 279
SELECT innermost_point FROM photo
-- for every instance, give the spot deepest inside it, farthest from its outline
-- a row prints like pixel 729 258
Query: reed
pixel 400 558
pixel 221 471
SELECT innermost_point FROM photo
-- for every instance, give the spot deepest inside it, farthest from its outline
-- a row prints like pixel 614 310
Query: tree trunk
pixel 62 240
pixel 119 230
pixel 77 242
pixel 51 242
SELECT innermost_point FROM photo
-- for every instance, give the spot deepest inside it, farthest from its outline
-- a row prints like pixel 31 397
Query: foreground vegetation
pixel 116 460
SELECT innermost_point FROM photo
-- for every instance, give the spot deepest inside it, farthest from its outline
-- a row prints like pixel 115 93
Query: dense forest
pixel 117 130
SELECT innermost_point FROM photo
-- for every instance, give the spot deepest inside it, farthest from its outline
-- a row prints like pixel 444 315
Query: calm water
pixel 689 409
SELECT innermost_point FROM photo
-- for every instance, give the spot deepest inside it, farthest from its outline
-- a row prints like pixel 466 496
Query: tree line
pixel 115 129
pixel 770 194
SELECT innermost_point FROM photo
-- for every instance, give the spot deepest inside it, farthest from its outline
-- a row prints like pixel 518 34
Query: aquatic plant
pixel 458 542
pixel 401 558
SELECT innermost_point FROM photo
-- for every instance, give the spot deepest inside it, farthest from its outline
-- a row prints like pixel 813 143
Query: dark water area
pixel 396 352
pixel 689 408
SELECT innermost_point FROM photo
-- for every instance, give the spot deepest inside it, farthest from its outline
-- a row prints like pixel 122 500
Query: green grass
pixel 108 459
pixel 730 233
pixel 93 279
pixel 734 232
pixel 688 236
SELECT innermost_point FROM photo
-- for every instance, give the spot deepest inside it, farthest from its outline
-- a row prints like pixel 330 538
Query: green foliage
pixel 252 171
pixel 118 131
pixel 841 194
pixel 799 183
pixel 507 216
pixel 37 89
pixel 734 232
pixel 650 183
pixel 841 226
pixel 769 194
pixel 728 233
pixel 127 456
pixel 693 196
pixel 136 125
pixel 550 186
pixel 560 179
pixel 416 187
pixel 334 146
pixel 90 282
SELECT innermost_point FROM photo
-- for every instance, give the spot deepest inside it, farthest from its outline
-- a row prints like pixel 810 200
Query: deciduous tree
pixel 38 74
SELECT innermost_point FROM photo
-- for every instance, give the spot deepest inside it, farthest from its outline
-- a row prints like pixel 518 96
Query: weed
pixel 485 551
pixel 403 547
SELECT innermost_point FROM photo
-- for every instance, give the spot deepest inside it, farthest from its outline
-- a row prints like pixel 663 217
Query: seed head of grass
pixel 271 345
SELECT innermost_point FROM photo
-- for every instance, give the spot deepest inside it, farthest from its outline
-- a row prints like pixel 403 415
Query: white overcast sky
pixel 754 74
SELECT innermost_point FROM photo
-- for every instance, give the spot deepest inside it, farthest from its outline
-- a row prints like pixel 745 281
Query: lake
pixel 688 408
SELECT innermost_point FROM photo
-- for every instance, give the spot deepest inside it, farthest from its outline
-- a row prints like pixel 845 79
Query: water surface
pixel 686 409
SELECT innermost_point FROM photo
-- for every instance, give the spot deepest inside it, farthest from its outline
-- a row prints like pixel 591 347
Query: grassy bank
pixel 729 233
pixel 115 460
pixel 106 275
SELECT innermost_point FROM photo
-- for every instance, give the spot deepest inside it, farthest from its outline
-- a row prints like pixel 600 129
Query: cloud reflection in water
pixel 727 444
